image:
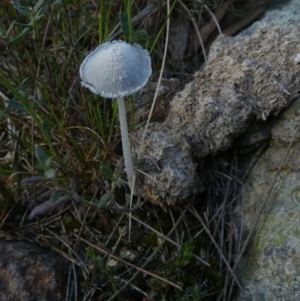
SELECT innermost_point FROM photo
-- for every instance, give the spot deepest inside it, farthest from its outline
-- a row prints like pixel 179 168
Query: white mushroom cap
pixel 116 69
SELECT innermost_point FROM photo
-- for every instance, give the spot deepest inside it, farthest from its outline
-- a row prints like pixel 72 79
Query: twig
pixel 75 282
pixel 194 211
pixel 196 28
pixel 101 250
pixel 210 26
pixel 149 258
pixel 168 239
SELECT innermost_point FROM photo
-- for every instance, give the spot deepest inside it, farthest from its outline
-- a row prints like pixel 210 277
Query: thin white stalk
pixel 125 142
pixel 130 206
pixel 196 28
pixel 141 148
pixel 213 17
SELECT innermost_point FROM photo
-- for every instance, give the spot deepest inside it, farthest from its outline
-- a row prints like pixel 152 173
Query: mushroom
pixel 114 70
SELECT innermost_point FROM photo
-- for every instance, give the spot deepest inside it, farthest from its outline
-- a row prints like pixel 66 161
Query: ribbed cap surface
pixel 116 69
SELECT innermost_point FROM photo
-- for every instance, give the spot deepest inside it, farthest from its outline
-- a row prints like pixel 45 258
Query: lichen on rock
pixel 245 79
pixel 269 269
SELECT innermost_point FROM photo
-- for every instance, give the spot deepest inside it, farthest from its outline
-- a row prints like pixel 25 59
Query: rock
pixel 245 79
pixel 283 13
pixel 29 272
pixel 270 268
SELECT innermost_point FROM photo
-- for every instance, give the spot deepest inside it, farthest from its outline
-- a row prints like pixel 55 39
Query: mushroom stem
pixel 125 142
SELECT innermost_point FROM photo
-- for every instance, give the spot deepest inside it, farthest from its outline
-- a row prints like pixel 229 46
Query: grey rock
pixel 282 13
pixel 29 272
pixel 270 268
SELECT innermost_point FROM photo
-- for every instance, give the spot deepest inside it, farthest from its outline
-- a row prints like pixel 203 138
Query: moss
pixel 85 284
pixel 190 280
pixel 216 281
pixel 104 221
pixel 121 243
pixel 70 223
pixel 164 221
pixel 150 240
pixel 100 225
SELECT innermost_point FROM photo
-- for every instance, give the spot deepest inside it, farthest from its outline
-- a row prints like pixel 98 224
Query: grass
pixel 61 162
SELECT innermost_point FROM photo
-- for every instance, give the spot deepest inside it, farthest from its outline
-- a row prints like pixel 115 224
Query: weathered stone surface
pixel 29 272
pixel 282 13
pixel 245 79
pixel 270 269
